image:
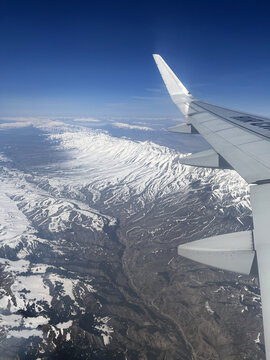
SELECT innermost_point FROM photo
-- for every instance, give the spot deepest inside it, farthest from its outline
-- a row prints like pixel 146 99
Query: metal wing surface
pixel 239 141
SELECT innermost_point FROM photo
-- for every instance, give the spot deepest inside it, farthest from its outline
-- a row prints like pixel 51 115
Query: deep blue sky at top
pixel 89 58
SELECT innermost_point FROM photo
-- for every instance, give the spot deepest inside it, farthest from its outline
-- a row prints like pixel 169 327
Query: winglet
pixel 173 84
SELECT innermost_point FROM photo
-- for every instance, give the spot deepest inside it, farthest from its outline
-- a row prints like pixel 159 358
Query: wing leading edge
pixel 239 141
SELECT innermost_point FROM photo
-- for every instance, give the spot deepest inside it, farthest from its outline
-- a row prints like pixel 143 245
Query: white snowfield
pixel 127 169
pixel 12 221
pixel 57 213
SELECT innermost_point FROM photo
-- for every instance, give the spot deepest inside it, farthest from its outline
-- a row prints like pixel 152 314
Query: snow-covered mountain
pixel 88 246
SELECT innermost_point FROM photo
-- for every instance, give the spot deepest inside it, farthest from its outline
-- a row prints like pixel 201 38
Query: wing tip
pixel 156 57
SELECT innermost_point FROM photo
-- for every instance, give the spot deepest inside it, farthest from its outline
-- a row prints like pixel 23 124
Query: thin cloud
pixel 154 90
pixel 11 125
pixel 20 122
pixel 132 127
pixel 201 85
pixel 151 98
pixel 88 119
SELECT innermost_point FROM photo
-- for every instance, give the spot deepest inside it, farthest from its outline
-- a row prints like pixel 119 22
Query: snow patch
pixel 26 333
pixel 257 340
pixel 208 308
pixel 64 325
pixel 105 329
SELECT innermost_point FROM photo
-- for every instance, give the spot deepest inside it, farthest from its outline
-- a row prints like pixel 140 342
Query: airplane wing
pixel 239 141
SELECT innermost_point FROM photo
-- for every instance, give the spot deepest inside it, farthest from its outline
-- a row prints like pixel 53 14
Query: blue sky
pixel 78 58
